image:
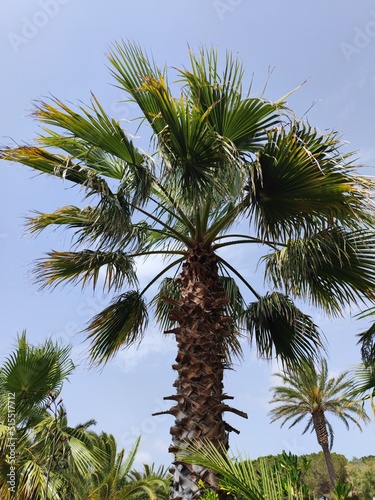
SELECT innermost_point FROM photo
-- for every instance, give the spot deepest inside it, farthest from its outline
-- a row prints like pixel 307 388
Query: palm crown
pixel 220 157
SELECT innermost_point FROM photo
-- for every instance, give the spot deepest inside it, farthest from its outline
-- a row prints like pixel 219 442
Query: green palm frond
pixel 238 475
pixel 31 373
pixel 85 267
pixel 326 268
pixel 120 325
pixel 364 383
pixel 32 482
pixel 70 216
pixel 367 343
pixel 192 153
pixel 242 122
pixel 56 164
pixel 93 127
pixel 129 66
pixel 301 180
pixel 278 328
pixel 94 158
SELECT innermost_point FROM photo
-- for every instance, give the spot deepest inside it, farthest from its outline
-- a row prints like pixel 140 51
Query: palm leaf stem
pixel 272 244
pixel 239 275
pixel 158 252
pixel 175 205
pixel 188 241
pixel 172 264
pixel 222 223
pixel 180 216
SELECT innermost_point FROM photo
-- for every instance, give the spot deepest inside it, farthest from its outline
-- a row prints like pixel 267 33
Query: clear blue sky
pixel 58 47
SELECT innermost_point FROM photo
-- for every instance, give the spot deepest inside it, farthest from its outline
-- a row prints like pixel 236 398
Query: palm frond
pixel 85 267
pixel 278 328
pixel 92 127
pixel 130 65
pixel 241 122
pixel 57 165
pixel 367 343
pixel 118 326
pixel 329 268
pixel 299 180
pixel 31 373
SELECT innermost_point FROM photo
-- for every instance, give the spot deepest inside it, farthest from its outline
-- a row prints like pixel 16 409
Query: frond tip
pixel 119 325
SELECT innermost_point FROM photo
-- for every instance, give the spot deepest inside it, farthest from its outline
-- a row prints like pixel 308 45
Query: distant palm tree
pixel 219 157
pixel 309 392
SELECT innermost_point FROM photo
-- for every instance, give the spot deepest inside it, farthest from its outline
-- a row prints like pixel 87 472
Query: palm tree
pixel 219 157
pixel 117 480
pixel 309 392
pixel 33 418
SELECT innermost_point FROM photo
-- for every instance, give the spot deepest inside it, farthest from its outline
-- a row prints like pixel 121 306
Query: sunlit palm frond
pixel 238 475
pixel 57 165
pixel 120 325
pixel 278 328
pixel 85 267
pixel 130 66
pixel 92 157
pixel 91 126
pixel 192 154
pixel 31 373
pixel 326 268
pixel 364 380
pixel 32 482
pixel 70 216
pixel 242 122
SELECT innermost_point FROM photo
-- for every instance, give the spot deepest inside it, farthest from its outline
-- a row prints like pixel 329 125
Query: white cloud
pixel 152 343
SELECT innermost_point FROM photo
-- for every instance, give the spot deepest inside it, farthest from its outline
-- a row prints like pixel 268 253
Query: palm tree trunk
pixel 322 436
pixel 200 364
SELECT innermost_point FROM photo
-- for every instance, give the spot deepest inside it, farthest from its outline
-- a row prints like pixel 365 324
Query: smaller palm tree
pixel 310 392
pixel 117 480
pixel 36 421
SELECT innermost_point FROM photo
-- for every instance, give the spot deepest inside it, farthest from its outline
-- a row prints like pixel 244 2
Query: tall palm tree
pixel 310 393
pixel 219 157
pixel 31 379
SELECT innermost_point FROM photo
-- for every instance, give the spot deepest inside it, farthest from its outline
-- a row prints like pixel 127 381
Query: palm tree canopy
pixel 308 391
pixel 32 373
pixel 31 411
pixel 221 156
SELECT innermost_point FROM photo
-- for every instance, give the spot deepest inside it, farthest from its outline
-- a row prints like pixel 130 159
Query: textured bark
pixel 322 436
pixel 200 365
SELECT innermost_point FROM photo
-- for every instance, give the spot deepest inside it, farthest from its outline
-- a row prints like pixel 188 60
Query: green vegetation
pixel 41 456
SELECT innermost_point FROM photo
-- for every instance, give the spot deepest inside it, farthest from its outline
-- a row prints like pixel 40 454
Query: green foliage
pixel 244 479
pixel 52 459
pixel 341 491
pixel 361 473
pixel 317 479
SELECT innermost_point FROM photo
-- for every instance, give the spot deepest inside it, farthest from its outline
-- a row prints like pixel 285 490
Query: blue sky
pixel 58 47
